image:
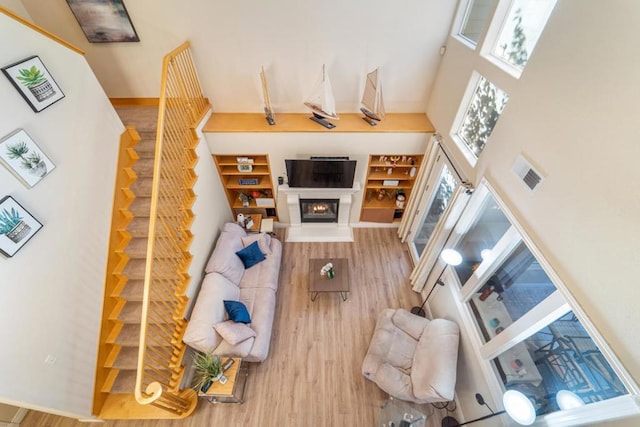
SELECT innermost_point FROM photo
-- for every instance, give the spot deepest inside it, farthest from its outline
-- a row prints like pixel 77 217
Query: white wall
pixel 211 212
pixel 281 146
pixel 52 288
pixel 292 39
pixel 572 113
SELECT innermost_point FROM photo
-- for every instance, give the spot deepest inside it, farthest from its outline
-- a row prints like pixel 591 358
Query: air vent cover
pixel 527 173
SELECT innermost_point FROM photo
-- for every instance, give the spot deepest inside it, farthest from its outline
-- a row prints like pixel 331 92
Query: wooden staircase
pixel 117 389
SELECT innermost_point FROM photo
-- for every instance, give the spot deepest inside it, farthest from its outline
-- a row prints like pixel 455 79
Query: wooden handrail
pixel 182 105
pixel 39 29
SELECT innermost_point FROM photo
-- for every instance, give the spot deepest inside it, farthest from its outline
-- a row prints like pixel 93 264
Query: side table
pixel 233 390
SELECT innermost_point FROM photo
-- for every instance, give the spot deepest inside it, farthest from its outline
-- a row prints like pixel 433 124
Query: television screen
pixel 321 172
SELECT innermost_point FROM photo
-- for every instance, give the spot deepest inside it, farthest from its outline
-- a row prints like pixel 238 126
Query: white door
pixel 442 184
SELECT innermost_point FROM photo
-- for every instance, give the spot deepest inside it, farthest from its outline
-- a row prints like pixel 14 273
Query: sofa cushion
pixel 261 303
pixel 266 273
pixel 435 361
pixel 224 259
pixel 237 311
pixel 233 228
pixel 263 239
pixel 251 255
pixel 208 311
pixel 234 332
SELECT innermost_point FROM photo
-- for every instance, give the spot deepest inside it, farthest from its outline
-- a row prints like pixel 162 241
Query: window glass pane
pixel 521 30
pixel 517 286
pixel 490 225
pixel 476 18
pixel 481 116
pixel 562 356
pixel 446 185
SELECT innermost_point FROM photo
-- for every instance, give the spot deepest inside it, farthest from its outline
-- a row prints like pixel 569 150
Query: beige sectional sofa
pixel 227 279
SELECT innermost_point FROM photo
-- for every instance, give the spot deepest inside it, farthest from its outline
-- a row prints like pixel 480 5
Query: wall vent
pixel 527 173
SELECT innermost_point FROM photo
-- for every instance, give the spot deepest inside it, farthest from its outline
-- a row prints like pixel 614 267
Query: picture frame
pixel 104 21
pixel 17 226
pixel 33 81
pixel 22 156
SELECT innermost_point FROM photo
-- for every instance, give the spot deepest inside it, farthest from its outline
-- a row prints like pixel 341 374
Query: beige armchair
pixel 413 358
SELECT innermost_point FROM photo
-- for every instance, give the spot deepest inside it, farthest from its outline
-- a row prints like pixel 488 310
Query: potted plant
pixel 208 369
pixel 12 225
pixel 31 162
pixel 36 82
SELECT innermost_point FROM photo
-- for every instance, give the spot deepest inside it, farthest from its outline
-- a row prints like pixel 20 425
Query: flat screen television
pixel 321 172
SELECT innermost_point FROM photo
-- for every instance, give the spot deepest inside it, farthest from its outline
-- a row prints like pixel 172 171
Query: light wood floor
pixel 312 376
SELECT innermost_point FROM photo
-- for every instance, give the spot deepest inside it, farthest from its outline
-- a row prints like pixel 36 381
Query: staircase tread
pixel 128 358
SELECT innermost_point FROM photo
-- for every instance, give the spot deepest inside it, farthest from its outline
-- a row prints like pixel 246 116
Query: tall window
pixel 476 18
pixel 481 116
pixel 527 331
pixel 519 32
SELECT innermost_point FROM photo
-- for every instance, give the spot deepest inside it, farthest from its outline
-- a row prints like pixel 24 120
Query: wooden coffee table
pixel 319 283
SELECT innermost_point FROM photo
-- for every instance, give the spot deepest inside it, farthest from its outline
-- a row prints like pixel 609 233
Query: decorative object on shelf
pixel 17 226
pixel 400 198
pixel 31 78
pixel 245 167
pixel 390 182
pixel 104 21
pixel 412 172
pixel 22 156
pixel 449 258
pixel 208 370
pixel 248 181
pixel 327 270
pixel 516 405
pixel 372 102
pixel 322 103
pixel 268 109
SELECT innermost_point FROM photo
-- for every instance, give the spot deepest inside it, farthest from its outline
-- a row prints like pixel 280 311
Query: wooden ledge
pixel 299 122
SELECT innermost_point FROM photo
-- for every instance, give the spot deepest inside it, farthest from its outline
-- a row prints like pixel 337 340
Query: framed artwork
pixel 104 21
pixel 22 156
pixel 17 226
pixel 31 78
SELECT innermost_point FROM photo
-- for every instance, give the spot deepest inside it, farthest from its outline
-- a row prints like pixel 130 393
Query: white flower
pixel 324 270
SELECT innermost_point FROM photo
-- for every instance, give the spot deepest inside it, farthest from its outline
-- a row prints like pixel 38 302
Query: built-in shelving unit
pixel 296 122
pixel 388 175
pixel 251 178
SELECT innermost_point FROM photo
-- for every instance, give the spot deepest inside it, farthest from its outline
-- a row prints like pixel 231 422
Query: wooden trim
pixel 299 122
pixel 40 30
pixel 135 102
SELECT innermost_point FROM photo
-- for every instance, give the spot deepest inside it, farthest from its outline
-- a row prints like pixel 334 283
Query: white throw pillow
pixel 233 332
pixel 263 239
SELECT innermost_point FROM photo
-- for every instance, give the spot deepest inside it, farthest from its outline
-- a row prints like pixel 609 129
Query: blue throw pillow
pixel 237 311
pixel 251 255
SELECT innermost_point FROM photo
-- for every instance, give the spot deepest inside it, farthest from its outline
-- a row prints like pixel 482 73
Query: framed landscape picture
pixel 31 78
pixel 17 226
pixel 22 156
pixel 104 21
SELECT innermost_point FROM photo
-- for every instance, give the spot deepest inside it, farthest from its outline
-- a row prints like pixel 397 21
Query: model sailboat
pixel 322 103
pixel 268 110
pixel 372 103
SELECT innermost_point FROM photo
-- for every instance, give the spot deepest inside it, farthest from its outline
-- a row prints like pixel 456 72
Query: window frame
pixel 559 303
pixel 461 18
pixel 458 121
pixel 492 35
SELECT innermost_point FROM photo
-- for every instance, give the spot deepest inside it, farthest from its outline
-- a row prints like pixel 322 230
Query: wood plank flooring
pixel 312 376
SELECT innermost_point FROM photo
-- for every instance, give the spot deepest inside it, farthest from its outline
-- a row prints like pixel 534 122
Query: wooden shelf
pixel 230 176
pixel 386 210
pixel 299 122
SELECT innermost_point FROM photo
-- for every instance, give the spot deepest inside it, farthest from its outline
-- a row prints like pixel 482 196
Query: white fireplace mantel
pixel 319 232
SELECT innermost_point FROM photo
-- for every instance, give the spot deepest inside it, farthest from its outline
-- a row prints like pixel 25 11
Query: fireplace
pixel 319 210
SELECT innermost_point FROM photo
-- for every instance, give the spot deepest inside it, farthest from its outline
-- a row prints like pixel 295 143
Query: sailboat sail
pixel 372 102
pixel 321 102
pixel 268 109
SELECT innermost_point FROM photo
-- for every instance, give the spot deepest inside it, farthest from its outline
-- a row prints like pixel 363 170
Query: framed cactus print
pixel 17 226
pixel 22 156
pixel 104 21
pixel 31 78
